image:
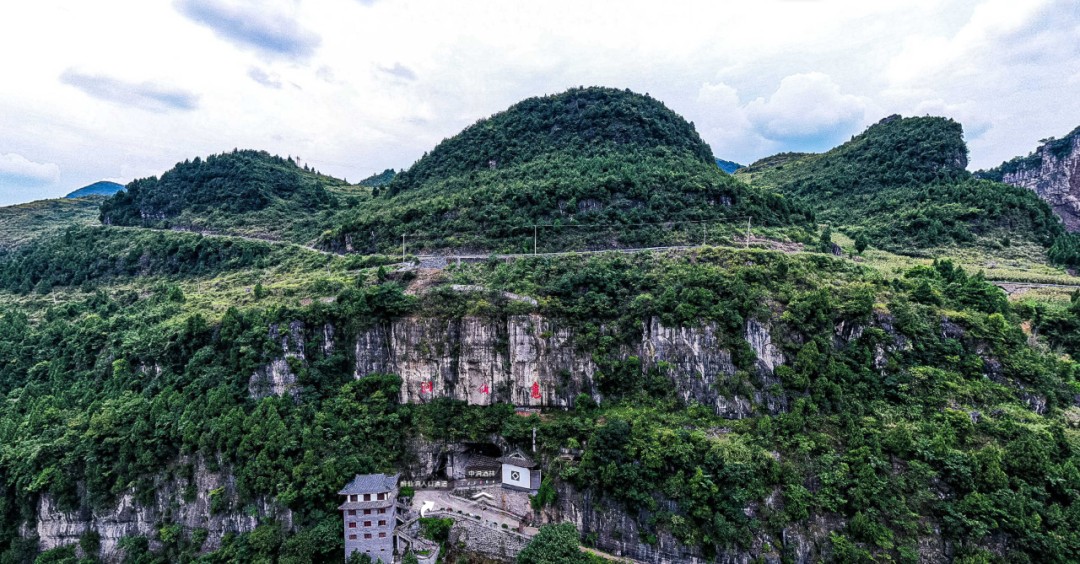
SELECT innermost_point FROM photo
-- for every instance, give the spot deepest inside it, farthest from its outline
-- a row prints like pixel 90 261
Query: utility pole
pixel 534 240
pixel 703 233
pixel 747 232
pixel 403 247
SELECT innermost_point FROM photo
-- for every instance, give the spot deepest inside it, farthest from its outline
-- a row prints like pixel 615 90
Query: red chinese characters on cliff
pixel 426 387
pixel 536 390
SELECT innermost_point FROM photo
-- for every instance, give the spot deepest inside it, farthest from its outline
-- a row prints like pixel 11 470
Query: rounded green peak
pixel 929 143
pixel 581 121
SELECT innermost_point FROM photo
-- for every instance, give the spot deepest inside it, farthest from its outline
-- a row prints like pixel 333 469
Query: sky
pixel 123 89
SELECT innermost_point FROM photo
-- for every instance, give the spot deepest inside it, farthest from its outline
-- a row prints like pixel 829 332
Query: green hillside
pixel 918 429
pixel 902 184
pixel 24 222
pixel 717 403
pixel 243 192
pixel 585 158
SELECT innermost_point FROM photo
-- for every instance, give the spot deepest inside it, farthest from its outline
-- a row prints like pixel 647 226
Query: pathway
pixel 442 261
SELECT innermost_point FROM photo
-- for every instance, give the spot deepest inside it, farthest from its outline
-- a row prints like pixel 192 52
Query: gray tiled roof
pixel 370 483
pixel 481 462
pixel 518 458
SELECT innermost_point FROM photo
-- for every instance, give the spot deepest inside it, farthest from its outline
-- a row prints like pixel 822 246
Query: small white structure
pixel 519 472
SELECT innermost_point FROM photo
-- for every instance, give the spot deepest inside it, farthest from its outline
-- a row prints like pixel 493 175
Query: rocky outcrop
pixel 277 377
pixel 205 501
pixel 1052 172
pixel 612 529
pixel 530 360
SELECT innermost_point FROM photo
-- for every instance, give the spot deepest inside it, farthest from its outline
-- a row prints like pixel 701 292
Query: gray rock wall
pixel 56 527
pixel 276 377
pixel 530 360
pixel 1056 179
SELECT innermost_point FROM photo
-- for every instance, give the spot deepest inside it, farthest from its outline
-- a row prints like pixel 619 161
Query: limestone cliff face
pixel 616 531
pixel 276 377
pixel 206 501
pixel 530 360
pixel 1053 172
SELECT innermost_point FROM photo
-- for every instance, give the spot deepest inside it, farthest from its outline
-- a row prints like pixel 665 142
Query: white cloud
pixel 379 83
pixel 19 170
pixel 1004 74
pixel 806 107
pixel 975 124
pixel 805 112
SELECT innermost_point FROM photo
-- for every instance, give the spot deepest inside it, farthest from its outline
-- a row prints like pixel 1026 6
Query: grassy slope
pixel 21 223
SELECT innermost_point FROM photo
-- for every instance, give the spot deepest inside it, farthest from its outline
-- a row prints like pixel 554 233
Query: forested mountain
pixel 169 396
pixel 585 157
pixel 903 185
pixel 242 192
pixel 102 188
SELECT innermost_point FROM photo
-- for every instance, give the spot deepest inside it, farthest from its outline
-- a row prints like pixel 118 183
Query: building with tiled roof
pixel 370 516
pixel 519 472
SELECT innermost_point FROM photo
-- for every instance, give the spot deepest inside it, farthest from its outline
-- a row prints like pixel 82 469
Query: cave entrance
pixel 473 461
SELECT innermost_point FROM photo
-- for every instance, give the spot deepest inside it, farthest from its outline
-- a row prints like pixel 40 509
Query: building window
pixel 381 511
pixel 352 512
pixel 354 497
pixel 367 535
pixel 381 497
pixel 382 535
pixel 352 524
pixel 352 537
pixel 367 497
pixel 367 512
pixel 382 523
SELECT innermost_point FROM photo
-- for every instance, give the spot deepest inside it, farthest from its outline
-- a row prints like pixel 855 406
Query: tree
pixel 861 243
pixel 825 242
pixel 554 544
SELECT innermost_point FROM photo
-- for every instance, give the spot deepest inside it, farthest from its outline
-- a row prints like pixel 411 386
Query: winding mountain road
pixel 442 261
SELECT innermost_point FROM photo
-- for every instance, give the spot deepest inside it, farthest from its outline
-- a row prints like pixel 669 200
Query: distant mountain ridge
pixel 1052 171
pixel 728 166
pixel 101 188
